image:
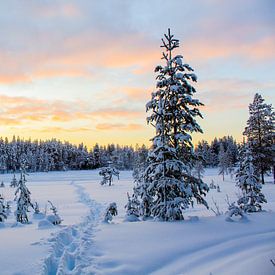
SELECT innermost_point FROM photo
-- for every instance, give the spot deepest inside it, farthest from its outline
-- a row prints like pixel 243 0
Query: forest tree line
pixel 55 155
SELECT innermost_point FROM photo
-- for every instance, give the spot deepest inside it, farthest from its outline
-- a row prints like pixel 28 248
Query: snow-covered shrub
pixel 14 182
pixel 54 218
pixel 212 185
pixel 234 210
pixel 132 208
pixel 24 200
pixel 110 211
pixel 249 183
pixel 107 173
pixel 36 208
pixel 216 210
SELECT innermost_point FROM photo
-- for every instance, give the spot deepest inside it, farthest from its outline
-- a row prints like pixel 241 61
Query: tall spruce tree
pixel 168 179
pixel 249 183
pixel 260 135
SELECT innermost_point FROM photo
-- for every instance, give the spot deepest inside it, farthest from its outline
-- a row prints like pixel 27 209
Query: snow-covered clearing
pixel 85 245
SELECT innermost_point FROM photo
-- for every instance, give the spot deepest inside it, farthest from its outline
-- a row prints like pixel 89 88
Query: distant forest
pixel 54 155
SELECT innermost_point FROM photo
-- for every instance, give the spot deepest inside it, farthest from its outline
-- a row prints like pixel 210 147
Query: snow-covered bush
pixel 216 210
pixel 36 208
pixel 132 208
pixel 168 182
pixel 110 211
pixel 212 185
pixel 54 218
pixel 249 183
pixel 234 210
pixel 107 173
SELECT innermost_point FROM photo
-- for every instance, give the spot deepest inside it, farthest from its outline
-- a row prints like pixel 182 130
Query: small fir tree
pixel 111 211
pixel 24 199
pixel 223 162
pixel 132 208
pixel 14 182
pixel 107 174
pixel 249 183
pixel 54 218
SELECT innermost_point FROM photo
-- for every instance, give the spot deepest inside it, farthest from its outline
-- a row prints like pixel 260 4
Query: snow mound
pixel 38 216
pixel 45 224
pixel 131 218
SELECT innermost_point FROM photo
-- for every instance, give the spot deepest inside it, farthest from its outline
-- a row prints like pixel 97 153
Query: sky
pixel 83 71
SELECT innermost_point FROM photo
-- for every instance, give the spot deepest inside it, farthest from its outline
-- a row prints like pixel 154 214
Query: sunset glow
pixel 82 71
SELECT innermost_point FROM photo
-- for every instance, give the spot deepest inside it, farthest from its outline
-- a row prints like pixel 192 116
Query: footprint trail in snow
pixel 72 249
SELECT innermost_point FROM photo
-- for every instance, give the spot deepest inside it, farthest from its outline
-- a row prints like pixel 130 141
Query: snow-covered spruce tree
pixel 132 208
pixel 223 162
pixel 110 211
pixel 198 168
pixel 23 199
pixel 140 163
pixel 107 174
pixel 3 214
pixel 261 135
pixel 14 182
pixel 167 178
pixel 249 183
pixel 54 218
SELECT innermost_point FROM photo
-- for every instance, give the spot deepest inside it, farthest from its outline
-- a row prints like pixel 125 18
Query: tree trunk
pixel 262 176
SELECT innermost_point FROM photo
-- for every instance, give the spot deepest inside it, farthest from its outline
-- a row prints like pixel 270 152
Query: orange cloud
pixel 118 126
pixel 205 49
pixel 30 109
pixel 62 130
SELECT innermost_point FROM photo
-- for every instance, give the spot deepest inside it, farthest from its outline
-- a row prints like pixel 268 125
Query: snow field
pixel 85 245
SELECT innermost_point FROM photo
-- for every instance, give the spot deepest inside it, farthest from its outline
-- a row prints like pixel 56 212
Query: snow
pixel 83 244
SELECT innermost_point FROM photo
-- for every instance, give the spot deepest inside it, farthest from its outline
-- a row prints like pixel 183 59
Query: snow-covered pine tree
pixel 198 168
pixel 54 218
pixel 261 135
pixel 223 162
pixel 3 214
pixel 24 199
pixel 140 163
pixel 132 208
pixel 249 183
pixel 14 182
pixel 110 211
pixel 107 174
pixel 167 179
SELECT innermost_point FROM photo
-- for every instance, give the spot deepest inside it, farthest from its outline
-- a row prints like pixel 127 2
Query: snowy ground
pixel 85 245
